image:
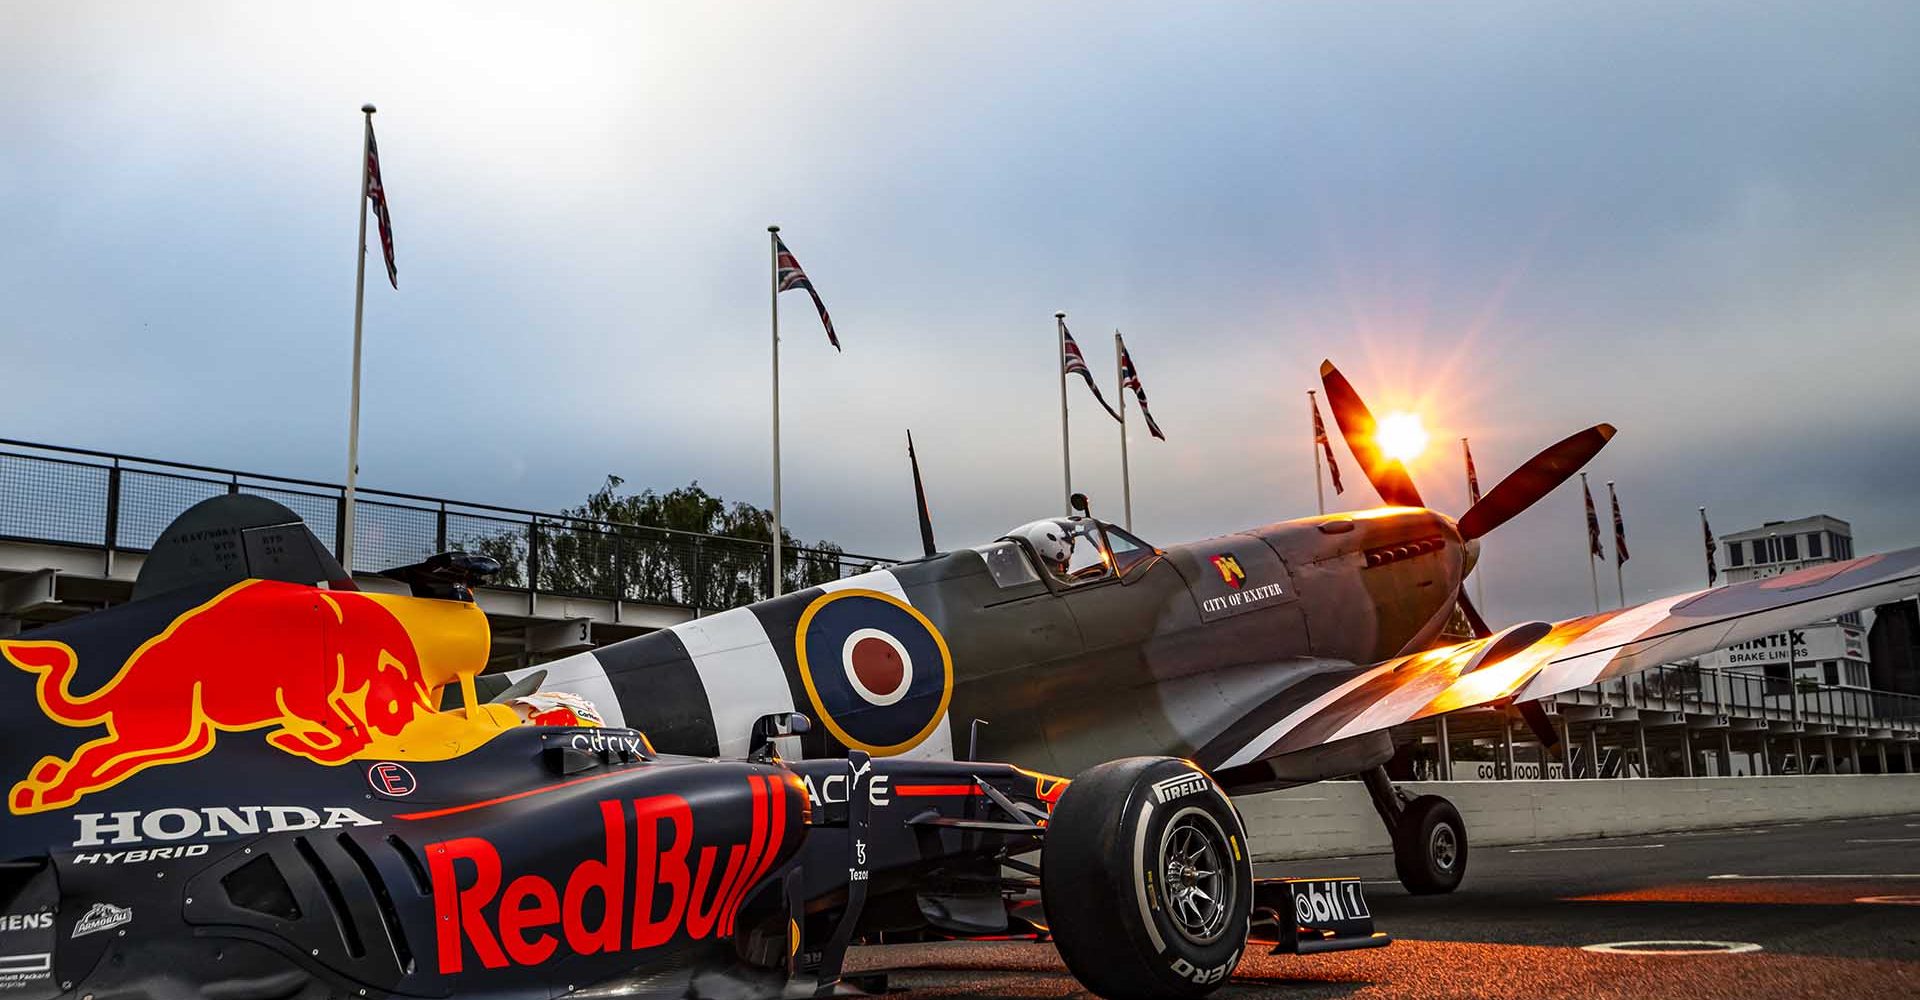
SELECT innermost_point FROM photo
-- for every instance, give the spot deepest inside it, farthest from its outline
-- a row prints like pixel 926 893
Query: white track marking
pixel 1884 840
pixel 1795 878
pixel 1672 947
pixel 1610 847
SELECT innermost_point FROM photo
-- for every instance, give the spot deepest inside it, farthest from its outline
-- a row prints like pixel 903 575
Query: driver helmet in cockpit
pixel 1052 542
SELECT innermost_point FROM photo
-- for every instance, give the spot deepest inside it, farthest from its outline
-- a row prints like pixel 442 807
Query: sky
pixel 1699 222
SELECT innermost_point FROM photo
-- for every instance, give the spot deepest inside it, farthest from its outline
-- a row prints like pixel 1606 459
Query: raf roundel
pixel 878 673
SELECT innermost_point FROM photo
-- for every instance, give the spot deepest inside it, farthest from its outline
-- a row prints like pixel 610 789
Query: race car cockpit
pixel 1072 551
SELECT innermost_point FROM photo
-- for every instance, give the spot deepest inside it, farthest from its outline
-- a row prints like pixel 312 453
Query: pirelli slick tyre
pixel 1146 880
pixel 1430 846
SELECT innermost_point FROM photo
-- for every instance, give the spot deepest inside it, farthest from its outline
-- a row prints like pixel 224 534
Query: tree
pixel 649 546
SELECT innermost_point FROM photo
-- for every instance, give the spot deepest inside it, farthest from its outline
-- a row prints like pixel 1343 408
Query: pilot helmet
pixel 1050 541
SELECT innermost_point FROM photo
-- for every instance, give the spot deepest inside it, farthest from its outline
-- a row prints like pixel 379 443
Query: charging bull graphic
pixel 333 672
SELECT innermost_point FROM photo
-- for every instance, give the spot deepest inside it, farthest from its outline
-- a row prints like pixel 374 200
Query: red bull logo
pixel 653 855
pixel 331 673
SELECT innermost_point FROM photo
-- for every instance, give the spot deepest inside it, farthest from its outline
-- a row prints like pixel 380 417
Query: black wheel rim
pixel 1198 876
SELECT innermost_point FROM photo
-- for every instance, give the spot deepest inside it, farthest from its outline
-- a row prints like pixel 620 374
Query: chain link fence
pixel 100 500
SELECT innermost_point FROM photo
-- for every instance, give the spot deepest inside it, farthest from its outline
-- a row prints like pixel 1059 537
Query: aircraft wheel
pixel 1430 846
pixel 1146 880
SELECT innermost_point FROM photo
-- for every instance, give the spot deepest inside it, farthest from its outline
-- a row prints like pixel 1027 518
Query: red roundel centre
pixel 878 665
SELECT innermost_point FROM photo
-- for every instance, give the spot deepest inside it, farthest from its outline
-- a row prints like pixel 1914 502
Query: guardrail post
pixel 533 563
pixel 619 568
pixel 340 528
pixel 440 529
pixel 698 594
pixel 233 484
pixel 113 513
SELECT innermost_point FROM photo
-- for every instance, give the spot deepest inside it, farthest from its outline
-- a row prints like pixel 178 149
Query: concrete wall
pixel 1335 817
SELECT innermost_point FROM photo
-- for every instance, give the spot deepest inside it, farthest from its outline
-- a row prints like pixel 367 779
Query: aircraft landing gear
pixel 1429 838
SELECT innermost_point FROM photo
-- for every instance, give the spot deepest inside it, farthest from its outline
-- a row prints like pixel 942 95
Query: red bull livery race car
pixel 243 785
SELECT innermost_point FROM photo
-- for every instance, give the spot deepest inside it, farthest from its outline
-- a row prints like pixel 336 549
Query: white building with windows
pixel 1831 652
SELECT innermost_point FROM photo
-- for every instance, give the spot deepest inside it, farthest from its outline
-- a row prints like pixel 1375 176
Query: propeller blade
pixel 920 500
pixel 1388 476
pixel 1480 629
pixel 1537 478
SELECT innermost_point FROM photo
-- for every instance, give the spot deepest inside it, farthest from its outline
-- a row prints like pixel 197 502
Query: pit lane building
pixel 1832 652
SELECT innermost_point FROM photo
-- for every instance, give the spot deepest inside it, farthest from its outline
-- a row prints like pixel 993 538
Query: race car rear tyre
pixel 1430 846
pixel 1146 880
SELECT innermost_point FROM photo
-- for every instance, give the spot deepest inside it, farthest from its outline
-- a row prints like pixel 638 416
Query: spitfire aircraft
pixel 1274 656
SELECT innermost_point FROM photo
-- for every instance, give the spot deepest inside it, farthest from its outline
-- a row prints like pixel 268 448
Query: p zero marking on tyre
pixel 877 671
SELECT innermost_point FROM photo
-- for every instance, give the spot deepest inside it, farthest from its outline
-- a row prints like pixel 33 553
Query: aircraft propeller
pixel 1522 488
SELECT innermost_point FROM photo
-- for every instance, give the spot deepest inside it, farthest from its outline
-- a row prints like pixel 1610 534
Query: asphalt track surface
pixel 1834 907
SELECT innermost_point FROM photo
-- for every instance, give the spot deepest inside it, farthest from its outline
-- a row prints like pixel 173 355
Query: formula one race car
pixel 241 785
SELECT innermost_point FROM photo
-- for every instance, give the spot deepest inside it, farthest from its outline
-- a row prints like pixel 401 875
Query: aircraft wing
pixel 1535 660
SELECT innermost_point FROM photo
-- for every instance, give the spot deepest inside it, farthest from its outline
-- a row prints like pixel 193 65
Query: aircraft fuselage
pixel 1160 657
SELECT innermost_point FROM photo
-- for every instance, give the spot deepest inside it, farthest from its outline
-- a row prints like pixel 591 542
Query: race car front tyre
pixel 1146 880
pixel 1430 846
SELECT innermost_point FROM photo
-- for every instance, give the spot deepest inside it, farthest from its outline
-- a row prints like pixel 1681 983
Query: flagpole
pixel 1479 586
pixel 773 251
pixel 1619 569
pixel 1126 476
pixel 1319 490
pixel 1593 573
pixel 1066 454
pixel 359 303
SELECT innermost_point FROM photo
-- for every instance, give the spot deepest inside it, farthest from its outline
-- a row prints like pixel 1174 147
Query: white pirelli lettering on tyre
pixel 1179 785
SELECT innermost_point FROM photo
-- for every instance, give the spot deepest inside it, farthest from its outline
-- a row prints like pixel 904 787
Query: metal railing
pixel 1672 688
pixel 121 503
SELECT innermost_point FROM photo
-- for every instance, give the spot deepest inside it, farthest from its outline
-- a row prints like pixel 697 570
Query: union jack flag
pixel 1072 362
pixel 1619 529
pixel 1706 530
pixel 377 194
pixel 1473 478
pixel 1320 438
pixel 1593 523
pixel 788 275
pixel 1130 379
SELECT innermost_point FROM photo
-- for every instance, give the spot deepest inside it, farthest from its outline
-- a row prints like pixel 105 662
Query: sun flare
pixel 1401 436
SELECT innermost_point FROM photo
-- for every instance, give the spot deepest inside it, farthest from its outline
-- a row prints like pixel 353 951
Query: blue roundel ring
pixel 878 673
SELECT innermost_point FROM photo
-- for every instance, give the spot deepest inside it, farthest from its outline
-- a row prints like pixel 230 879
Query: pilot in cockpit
pixel 1053 543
